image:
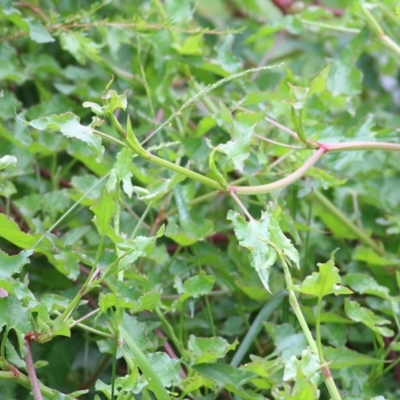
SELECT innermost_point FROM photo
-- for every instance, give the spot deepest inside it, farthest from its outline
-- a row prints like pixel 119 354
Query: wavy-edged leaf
pixel 262 238
pixel 69 125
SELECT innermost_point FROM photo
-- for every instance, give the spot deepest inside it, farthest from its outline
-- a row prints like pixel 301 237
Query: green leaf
pixel 344 79
pixel 38 32
pixel 166 368
pixel 7 162
pixel 159 189
pixel 65 261
pixel 140 246
pixel 366 316
pixel 195 286
pixel 343 357
pixel 206 123
pixel 254 292
pixel 226 116
pixel 10 231
pixel 367 255
pixel 125 296
pixel 15 316
pixel 192 383
pixel 299 96
pixel 114 101
pixel 238 149
pixel 318 84
pixel 364 284
pixel 122 168
pixel 204 350
pixel 192 45
pixel 10 265
pixel 332 223
pixel 223 374
pixel 68 124
pixel 79 46
pixel 262 238
pixel 104 211
pixel 304 388
pixel 288 342
pixel 138 330
pixel 179 11
pixel 324 282
pixel 187 232
pixel 7 189
pixel 306 366
pixel 225 59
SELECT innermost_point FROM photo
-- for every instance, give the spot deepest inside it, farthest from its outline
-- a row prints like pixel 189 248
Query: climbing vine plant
pixel 199 200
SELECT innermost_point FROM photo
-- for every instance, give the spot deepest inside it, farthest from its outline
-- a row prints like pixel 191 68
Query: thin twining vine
pixel 320 149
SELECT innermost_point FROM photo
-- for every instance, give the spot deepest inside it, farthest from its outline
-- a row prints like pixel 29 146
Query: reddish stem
pixel 283 5
pixel 62 182
pixel 37 394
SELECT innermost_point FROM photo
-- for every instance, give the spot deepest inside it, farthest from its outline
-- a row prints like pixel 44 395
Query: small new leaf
pixel 324 282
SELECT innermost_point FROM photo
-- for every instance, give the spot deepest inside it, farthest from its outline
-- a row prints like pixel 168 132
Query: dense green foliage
pixel 187 266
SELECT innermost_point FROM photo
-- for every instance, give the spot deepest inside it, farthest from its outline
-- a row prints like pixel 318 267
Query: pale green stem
pixel 75 301
pixel 388 13
pixel 177 168
pixel 329 26
pixel 110 138
pixel 241 205
pixel 92 330
pixel 391 44
pixel 318 329
pixel 288 146
pixel 330 383
pixel 174 35
pixel 85 317
pixel 141 219
pixel 176 39
pixel 270 187
pixel 117 219
pixel 155 384
pixel 379 32
pixel 170 332
pixel 204 92
pixel 330 147
pixel 372 22
pixel 347 223
pixel 137 148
